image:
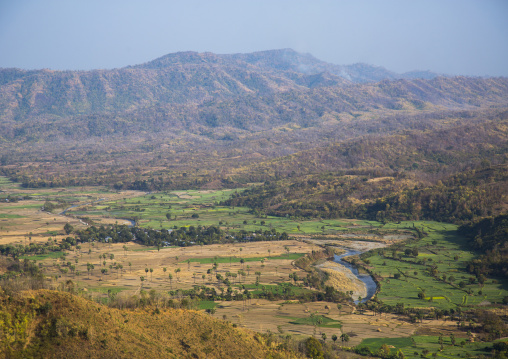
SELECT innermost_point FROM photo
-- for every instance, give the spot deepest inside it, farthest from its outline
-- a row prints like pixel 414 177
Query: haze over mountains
pixel 243 91
pixel 193 111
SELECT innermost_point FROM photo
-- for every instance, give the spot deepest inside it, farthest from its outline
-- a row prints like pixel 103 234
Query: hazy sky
pixel 446 36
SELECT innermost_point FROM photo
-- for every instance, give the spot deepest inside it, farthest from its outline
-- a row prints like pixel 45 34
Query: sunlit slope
pixel 61 325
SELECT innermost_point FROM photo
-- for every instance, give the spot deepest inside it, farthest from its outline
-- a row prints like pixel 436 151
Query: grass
pixel 446 250
pixel 151 210
pixel 314 321
pixel 7 215
pixel 291 256
pixel 40 257
pixel 413 347
pixel 105 290
pixel 206 304
pixel 274 288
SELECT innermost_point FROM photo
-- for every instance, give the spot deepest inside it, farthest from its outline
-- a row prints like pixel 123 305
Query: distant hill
pixel 192 91
pixel 186 78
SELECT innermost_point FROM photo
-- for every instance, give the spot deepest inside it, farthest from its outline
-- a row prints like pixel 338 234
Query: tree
pixel 344 338
pixel 313 348
pixel 441 341
pixel 151 274
pixel 89 268
pixel 68 228
pixel 334 338
pixel 171 281
pixel 142 280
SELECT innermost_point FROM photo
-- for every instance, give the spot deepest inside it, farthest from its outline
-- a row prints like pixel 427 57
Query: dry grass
pixel 342 279
pixel 77 328
pixel 273 271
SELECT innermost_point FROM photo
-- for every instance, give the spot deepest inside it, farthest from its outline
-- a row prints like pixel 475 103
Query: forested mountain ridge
pixel 192 120
pixel 38 110
pixel 244 91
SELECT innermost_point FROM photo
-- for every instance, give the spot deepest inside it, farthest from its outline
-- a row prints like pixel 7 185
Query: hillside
pixel 199 92
pixel 192 120
pixel 54 324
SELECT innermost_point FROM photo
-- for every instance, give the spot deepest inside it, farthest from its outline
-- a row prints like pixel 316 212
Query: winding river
pixel 365 278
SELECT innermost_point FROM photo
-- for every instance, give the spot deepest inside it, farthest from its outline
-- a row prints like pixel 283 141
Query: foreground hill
pixel 53 324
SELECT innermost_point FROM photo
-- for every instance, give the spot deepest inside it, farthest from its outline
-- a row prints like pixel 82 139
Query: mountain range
pixel 192 111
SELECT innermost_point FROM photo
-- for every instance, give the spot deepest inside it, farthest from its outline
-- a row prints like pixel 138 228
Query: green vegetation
pixel 40 257
pixel 207 304
pixel 318 321
pixel 424 346
pixel 438 271
pixel 291 256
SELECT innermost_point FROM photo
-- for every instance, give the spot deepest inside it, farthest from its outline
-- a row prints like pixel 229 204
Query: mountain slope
pixel 181 78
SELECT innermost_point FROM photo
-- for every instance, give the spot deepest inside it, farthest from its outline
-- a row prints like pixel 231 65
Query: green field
pixel 206 304
pixel 428 346
pixel 316 320
pixel 41 257
pixel 150 212
pixel 451 287
pixel 448 254
pixel 290 256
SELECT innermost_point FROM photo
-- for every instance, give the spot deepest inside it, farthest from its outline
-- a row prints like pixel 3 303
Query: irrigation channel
pixel 365 278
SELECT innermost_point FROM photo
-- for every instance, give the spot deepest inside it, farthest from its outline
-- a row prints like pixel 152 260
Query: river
pixel 365 278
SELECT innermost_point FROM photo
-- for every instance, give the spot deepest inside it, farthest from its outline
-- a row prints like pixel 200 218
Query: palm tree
pixel 151 274
pixel 130 267
pixel 88 268
pixel 171 280
pixel 344 337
